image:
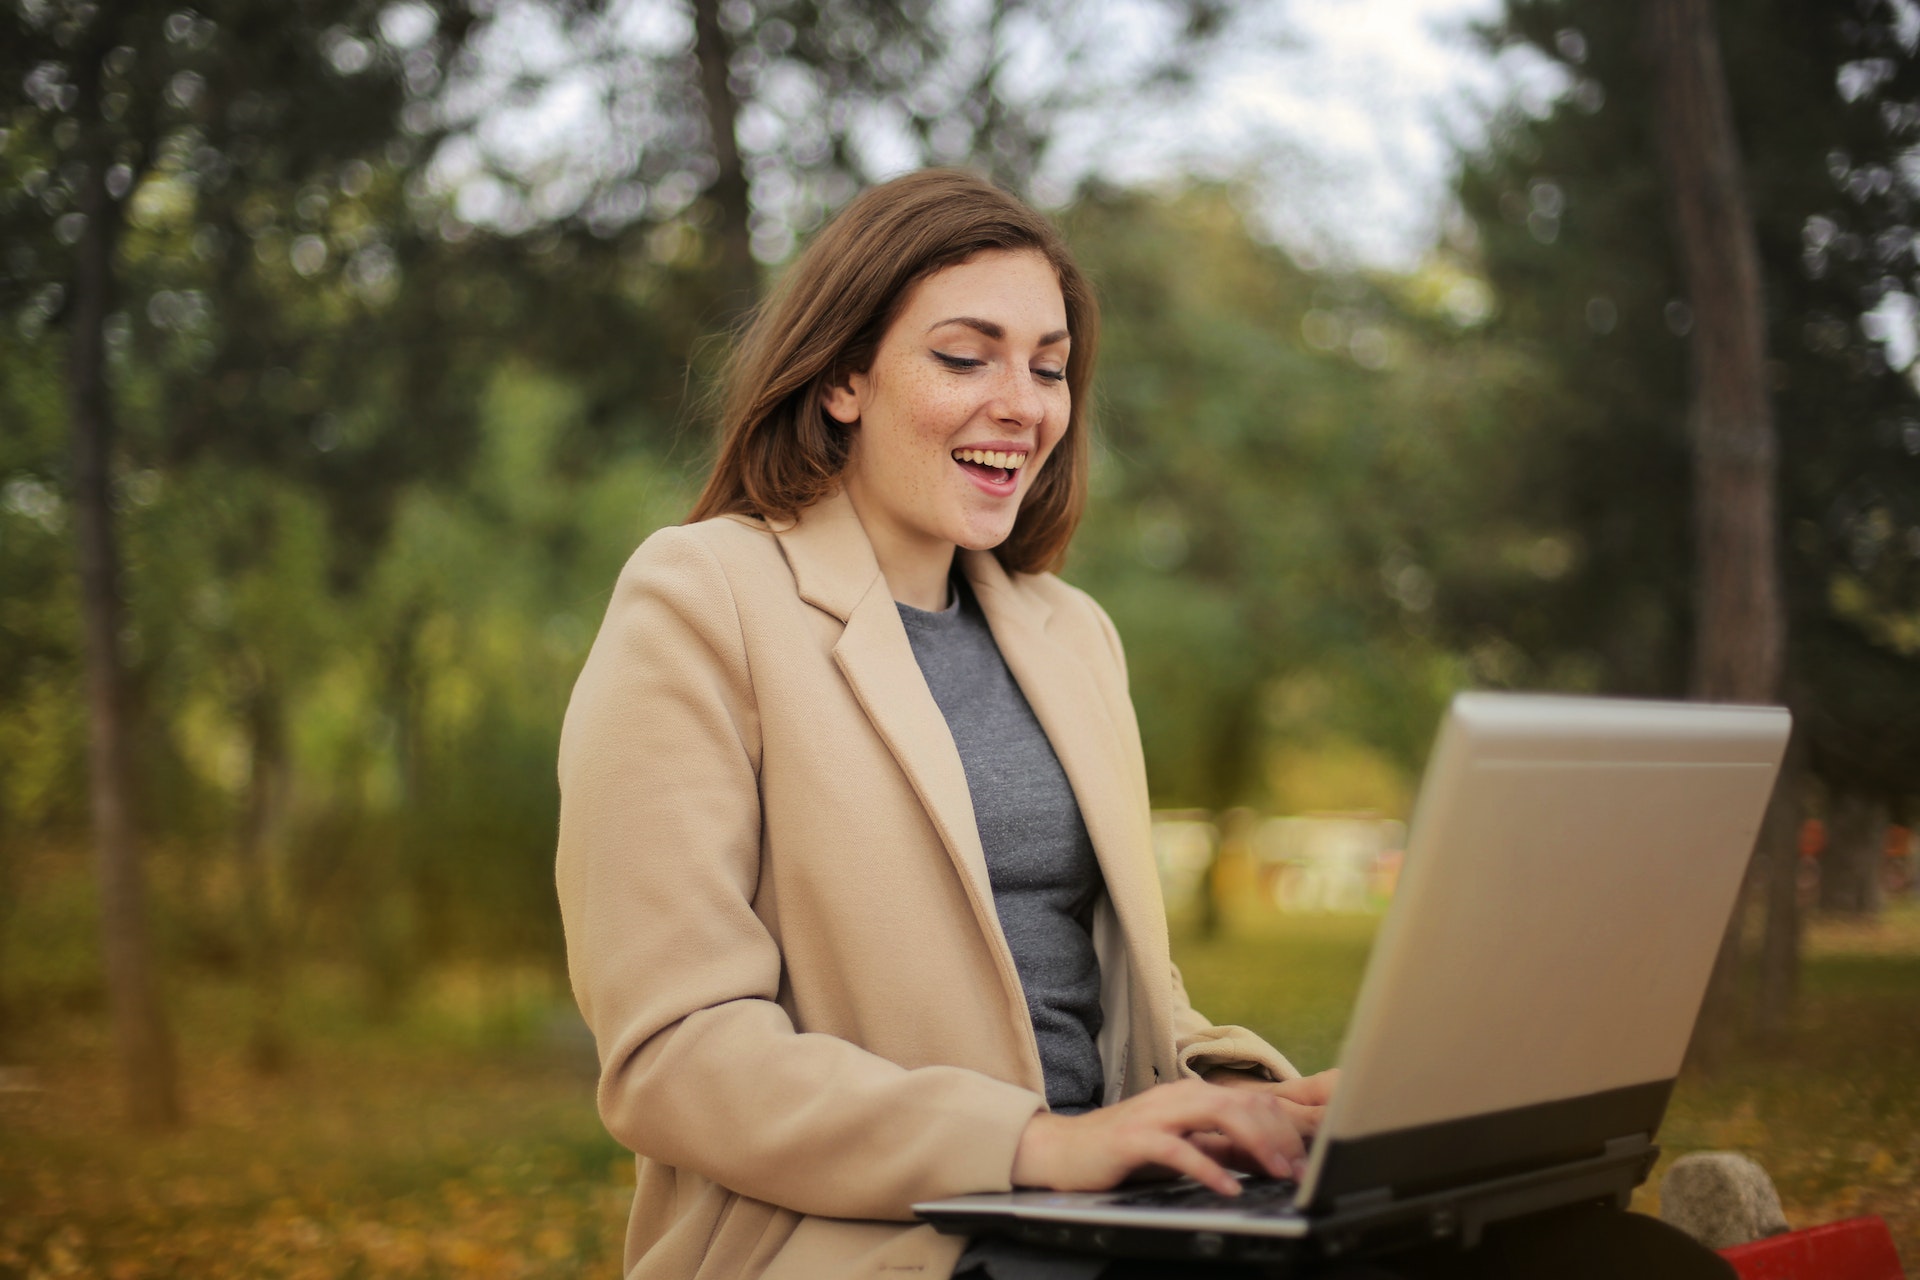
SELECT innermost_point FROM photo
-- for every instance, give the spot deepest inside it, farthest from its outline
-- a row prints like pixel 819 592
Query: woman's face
pixel 966 397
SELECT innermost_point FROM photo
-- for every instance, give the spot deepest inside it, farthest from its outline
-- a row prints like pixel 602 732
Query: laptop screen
pixel 1571 868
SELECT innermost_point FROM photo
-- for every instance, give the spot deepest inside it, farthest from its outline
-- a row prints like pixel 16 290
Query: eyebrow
pixel 994 331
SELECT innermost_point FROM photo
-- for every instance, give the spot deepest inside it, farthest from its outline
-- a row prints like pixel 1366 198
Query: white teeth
pixel 992 458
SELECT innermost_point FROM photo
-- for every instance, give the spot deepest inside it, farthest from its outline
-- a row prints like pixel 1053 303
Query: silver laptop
pixel 1572 865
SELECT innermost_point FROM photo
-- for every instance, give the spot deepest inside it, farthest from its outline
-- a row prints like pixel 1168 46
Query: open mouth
pixel 995 467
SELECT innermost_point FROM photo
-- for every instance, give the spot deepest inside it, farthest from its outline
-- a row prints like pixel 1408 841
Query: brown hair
pixel 780 452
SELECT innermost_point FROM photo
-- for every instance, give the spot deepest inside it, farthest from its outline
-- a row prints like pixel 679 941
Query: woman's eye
pixel 1051 375
pixel 957 362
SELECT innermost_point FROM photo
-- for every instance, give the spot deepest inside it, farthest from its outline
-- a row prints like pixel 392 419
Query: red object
pixel 1855 1249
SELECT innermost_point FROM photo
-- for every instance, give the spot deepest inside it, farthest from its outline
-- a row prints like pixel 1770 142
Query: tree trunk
pixel 398 907
pixel 1856 846
pixel 713 48
pixel 9 896
pixel 1234 747
pixel 1739 622
pixel 267 1047
pixel 139 1021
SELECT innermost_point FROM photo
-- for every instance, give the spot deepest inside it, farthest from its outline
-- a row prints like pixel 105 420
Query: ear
pixel 843 396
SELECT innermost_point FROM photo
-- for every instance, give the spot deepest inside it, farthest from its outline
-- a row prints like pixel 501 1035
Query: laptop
pixel 1571 867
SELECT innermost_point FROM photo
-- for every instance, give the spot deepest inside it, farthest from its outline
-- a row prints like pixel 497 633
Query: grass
pixel 463 1141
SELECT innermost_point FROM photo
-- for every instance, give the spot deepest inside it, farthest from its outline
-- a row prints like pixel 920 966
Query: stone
pixel 1721 1199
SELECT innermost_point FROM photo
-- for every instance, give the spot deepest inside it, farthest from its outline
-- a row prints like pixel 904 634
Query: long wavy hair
pixel 780 452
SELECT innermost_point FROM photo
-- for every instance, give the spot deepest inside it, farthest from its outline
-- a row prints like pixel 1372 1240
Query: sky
pixel 1342 118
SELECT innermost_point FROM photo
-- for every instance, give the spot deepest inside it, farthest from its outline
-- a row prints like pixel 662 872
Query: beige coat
pixel 778 919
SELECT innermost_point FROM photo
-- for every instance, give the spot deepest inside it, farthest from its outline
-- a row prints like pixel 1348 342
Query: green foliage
pixel 370 683
pixel 299 357
pixel 380 465
pixel 1286 462
pixel 1571 224
pixel 39 621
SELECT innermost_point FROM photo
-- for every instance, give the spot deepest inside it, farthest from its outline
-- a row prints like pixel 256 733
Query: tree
pixel 1569 214
pixel 67 54
pixel 205 126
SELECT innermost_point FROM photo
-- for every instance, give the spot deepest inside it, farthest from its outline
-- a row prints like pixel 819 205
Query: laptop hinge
pixel 1628 1145
pixel 1609 1174
pixel 1616 1149
pixel 1624 1164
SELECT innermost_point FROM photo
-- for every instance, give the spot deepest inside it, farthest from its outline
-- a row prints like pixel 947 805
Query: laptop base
pixel 1362 1225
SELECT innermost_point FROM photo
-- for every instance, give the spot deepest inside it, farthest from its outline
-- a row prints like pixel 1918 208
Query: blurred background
pixel 347 348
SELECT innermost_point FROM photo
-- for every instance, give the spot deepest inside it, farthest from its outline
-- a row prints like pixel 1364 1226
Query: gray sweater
pixel 1040 860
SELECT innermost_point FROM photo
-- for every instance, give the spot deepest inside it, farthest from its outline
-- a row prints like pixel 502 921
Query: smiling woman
pixel 854 855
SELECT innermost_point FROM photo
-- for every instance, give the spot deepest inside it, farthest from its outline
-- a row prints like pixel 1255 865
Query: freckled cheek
pixel 1055 433
pixel 937 428
pixel 932 442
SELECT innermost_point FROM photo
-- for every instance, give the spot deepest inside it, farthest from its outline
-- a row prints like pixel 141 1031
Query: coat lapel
pixel 834 569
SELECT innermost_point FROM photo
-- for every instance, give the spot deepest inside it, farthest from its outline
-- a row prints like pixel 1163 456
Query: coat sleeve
pixel 1198 1044
pixel 659 856
pixel 1202 1046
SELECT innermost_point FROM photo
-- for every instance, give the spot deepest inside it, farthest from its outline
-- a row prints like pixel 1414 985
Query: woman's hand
pixel 1309 1094
pixel 1190 1127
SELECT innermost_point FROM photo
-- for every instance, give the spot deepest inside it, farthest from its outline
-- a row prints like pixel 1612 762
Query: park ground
pixel 461 1139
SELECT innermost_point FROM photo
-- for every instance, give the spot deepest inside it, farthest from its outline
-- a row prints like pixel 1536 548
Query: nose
pixel 1016 400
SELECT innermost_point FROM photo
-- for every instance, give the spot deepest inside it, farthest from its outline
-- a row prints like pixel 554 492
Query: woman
pixel 853 851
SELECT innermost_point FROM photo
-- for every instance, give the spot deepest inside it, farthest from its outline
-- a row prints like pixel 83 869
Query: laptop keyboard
pixel 1259 1197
